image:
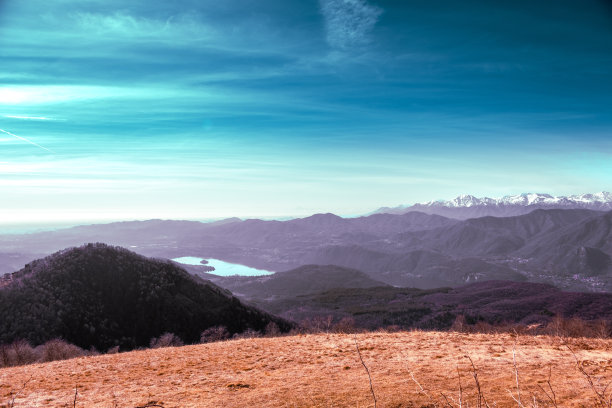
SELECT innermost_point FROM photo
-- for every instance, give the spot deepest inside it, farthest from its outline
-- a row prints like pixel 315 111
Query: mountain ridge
pixel 570 248
pixel 468 206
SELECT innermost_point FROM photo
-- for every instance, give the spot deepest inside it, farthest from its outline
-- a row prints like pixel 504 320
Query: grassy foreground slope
pixel 322 370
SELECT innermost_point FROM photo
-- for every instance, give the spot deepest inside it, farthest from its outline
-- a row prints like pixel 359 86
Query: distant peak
pixel 225 221
pixel 328 216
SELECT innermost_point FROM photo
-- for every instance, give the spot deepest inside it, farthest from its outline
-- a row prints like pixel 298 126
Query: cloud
pixel 56 94
pixel 42 94
pixel 27 117
pixel 119 24
pixel 349 22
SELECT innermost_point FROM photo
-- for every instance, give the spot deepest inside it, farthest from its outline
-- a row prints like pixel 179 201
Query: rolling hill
pixel 490 302
pixel 102 296
pixel 304 280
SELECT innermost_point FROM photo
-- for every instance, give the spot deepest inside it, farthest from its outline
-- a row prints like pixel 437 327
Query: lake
pixel 223 268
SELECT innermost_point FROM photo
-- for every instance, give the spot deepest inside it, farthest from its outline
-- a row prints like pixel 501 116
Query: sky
pixel 197 109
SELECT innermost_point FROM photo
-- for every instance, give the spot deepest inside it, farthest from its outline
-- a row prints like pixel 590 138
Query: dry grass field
pixel 324 370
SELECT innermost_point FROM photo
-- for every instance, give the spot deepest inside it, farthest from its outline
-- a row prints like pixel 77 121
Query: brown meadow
pixel 408 369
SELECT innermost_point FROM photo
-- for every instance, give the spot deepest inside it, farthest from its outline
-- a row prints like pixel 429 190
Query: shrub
pixel 485 327
pixel 459 325
pixel 24 353
pixel 603 329
pixel 58 349
pixel 345 325
pixel 212 334
pixel 575 327
pixel 272 330
pixel 307 326
pixel 247 334
pixel 317 324
pixel 166 340
pixel 19 352
pixel 5 359
pixel 113 350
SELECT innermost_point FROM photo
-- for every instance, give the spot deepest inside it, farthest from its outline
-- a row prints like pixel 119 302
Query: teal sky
pixel 190 109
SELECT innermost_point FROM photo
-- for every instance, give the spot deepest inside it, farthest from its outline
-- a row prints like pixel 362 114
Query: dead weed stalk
pixel 603 393
pixel 367 371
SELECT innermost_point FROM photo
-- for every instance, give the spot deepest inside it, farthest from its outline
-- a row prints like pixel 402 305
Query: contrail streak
pixel 26 140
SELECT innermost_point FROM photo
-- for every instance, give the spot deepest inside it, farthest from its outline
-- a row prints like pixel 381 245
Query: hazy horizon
pixel 205 110
pixel 33 226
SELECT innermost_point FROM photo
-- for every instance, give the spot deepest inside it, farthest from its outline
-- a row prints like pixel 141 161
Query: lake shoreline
pixel 222 268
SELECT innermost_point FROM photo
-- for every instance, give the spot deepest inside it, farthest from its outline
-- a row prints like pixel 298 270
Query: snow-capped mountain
pixel 469 206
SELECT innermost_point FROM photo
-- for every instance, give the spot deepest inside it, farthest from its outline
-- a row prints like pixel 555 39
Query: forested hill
pixel 102 296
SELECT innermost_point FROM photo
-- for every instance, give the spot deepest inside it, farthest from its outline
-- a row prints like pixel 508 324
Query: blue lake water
pixel 223 268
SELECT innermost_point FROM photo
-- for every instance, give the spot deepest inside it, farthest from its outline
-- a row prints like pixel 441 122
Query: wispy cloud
pixel 56 94
pixel 125 25
pixel 349 22
pixel 27 117
pixel 26 140
pixel 43 94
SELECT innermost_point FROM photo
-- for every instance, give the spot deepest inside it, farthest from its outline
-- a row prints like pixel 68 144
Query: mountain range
pixel 469 206
pixel 568 248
